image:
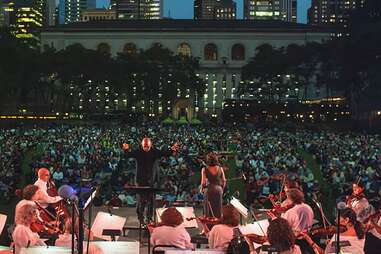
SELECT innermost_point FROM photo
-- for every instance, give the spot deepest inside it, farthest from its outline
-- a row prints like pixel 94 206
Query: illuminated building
pixel 25 19
pixel 330 12
pixel 223 47
pixel 98 14
pixel 2 14
pixel 71 9
pixel 138 9
pixel 285 10
pixel 215 9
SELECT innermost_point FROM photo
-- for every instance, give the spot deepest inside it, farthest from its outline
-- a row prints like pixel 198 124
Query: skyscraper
pixel 214 9
pixel 138 9
pixel 72 9
pixel 329 12
pixel 285 10
pixel 50 13
pixel 2 15
pixel 25 19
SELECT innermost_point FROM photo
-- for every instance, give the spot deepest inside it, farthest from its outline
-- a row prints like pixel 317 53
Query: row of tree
pixel 350 63
pixel 79 79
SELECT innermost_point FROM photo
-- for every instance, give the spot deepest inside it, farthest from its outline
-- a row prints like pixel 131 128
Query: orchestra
pixel 42 213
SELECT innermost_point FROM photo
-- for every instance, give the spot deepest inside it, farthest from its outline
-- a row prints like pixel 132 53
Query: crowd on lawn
pixel 83 156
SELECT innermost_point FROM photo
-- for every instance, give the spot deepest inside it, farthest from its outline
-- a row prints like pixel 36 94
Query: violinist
pixel 44 198
pixel 22 235
pixel 300 217
pixel 358 202
pixel 171 231
pixel 282 202
pixel 29 195
pixel 353 233
pixel 373 236
pixel 281 237
pixel 221 235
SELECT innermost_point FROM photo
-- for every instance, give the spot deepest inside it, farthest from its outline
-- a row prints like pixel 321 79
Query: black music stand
pixel 112 233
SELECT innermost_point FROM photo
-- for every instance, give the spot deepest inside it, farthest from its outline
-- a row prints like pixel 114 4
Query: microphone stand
pixel 338 232
pixel 322 214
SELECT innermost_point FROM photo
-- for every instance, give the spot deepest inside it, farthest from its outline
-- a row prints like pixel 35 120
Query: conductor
pixel 146 157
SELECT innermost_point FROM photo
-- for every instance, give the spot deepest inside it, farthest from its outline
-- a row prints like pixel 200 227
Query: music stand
pixel 197 251
pixel 112 233
pixel 243 211
pixel 45 250
pixel 109 222
pixel 123 247
pixel 270 249
pixel 257 227
pixel 90 199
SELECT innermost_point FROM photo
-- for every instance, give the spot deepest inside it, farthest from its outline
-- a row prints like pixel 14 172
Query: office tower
pixel 138 9
pixel 332 12
pixel 214 9
pixel 285 10
pixel 70 10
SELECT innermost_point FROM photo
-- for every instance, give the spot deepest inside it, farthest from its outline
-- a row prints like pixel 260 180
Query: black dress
pixel 214 194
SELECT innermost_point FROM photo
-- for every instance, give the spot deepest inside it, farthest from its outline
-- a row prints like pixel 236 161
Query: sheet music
pixel 123 247
pixel 257 227
pixel 186 212
pixel 45 250
pixel 107 221
pixel 238 205
pixel 90 199
pixel 3 220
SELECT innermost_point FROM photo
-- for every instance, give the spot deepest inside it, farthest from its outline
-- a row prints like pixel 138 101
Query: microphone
pixel 66 192
pixel 341 205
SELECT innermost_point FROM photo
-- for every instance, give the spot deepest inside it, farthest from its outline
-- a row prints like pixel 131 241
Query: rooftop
pixel 187 25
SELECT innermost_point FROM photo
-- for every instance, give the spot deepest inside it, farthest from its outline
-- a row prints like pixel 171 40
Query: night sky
pixel 183 9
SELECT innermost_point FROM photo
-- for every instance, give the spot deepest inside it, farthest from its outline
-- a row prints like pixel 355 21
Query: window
pixel 210 52
pixel 184 49
pixel 129 49
pixel 238 52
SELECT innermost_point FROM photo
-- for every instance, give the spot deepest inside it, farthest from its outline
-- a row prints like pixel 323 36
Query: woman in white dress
pixel 23 236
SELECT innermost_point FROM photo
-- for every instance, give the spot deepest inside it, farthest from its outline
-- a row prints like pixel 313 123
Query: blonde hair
pixel 25 214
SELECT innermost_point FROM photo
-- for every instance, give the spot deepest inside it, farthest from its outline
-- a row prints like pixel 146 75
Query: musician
pixel 44 199
pixel 171 231
pixel 358 202
pixel 23 235
pixel 300 217
pixel 29 195
pixel 146 157
pixel 221 234
pixel 353 233
pixel 281 237
pixel 373 236
pixel 215 176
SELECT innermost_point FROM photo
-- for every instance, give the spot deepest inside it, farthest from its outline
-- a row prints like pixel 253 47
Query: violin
pixel 43 227
pixel 206 220
pixel 372 217
pixel 352 198
pixel 259 239
pixel 330 230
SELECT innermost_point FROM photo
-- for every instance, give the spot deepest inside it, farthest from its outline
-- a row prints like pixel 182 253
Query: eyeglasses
pixel 47 175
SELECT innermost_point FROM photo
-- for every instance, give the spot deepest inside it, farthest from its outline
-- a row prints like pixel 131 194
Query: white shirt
pixel 300 217
pixel 167 235
pixel 357 245
pixel 23 236
pixel 20 204
pixel 43 197
pixel 220 236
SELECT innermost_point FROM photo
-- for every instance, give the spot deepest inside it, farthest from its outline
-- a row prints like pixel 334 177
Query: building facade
pixel 25 19
pixel 71 9
pixel 222 47
pixel 214 9
pixel 50 13
pixel 98 14
pixel 138 9
pixel 285 10
pixel 332 12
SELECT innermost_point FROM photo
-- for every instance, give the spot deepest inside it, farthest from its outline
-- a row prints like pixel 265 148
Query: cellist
pixel 44 198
